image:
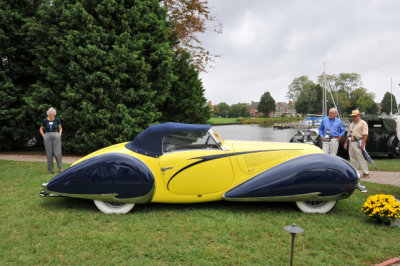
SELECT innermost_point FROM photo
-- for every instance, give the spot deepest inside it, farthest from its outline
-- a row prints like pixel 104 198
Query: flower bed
pixel 382 208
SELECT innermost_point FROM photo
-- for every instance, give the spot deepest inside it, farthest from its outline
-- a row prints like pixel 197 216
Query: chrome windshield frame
pixel 215 135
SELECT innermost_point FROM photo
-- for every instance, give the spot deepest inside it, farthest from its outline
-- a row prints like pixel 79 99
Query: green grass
pixel 36 230
pixel 217 120
pixel 263 121
pixel 384 163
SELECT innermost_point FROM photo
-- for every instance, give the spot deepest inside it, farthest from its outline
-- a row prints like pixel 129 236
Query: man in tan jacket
pixel 358 130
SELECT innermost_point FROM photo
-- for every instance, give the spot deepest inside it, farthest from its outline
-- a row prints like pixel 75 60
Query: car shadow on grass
pixel 243 207
pixel 67 203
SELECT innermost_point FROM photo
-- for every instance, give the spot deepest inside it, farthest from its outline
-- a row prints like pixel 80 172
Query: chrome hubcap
pixel 315 204
pixel 114 205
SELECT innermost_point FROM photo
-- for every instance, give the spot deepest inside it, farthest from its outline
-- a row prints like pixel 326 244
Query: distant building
pixel 212 107
pixel 285 109
pixel 253 109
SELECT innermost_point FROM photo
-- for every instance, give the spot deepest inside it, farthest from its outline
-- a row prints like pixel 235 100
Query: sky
pixel 266 44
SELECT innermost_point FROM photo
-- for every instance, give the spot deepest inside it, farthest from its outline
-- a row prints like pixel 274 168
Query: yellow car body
pixel 183 163
pixel 209 181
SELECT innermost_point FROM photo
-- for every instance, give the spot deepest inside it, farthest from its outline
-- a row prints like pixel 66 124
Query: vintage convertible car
pixel 382 137
pixel 184 163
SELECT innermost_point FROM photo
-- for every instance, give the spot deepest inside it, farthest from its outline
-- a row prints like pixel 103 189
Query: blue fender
pixel 111 176
pixel 309 177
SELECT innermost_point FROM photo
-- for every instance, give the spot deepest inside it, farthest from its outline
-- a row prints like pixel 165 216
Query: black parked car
pixel 382 137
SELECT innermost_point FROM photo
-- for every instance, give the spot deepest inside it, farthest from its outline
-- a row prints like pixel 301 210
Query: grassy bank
pixel 72 231
pixel 264 121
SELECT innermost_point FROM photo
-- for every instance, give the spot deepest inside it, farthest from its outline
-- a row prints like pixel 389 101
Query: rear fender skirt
pixel 309 177
pixel 111 177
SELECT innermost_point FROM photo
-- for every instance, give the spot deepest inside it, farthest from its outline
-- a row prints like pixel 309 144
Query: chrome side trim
pixel 103 197
pixel 301 197
pixel 360 187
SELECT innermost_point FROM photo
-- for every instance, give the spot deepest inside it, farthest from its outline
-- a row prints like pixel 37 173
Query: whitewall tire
pixel 113 207
pixel 316 206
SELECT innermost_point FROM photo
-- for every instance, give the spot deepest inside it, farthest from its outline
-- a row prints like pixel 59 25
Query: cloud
pixel 266 44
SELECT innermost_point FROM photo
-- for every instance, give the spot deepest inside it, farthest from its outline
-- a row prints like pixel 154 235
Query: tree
pixel 346 82
pixel 189 18
pixel 17 73
pixel 297 86
pixel 267 104
pixel 310 100
pixel 105 65
pixel 362 100
pixel 223 110
pixel 388 99
pixel 339 88
pixel 185 101
pixel 239 110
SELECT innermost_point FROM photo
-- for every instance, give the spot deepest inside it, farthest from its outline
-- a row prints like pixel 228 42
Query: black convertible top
pixel 149 142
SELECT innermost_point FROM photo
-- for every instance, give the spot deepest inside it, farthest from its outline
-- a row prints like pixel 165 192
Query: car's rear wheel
pixel 316 206
pixel 113 207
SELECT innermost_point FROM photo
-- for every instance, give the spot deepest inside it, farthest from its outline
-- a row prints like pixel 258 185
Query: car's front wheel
pixel 316 206
pixel 113 207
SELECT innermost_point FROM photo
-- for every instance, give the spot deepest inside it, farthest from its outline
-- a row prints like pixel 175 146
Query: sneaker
pixel 365 176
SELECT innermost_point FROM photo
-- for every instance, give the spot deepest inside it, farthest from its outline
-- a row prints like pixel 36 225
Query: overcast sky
pixel 265 44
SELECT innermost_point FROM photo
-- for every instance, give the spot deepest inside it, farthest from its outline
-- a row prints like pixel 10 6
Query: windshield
pixel 189 140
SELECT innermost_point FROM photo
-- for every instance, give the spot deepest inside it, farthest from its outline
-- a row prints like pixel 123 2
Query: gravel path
pixel 391 178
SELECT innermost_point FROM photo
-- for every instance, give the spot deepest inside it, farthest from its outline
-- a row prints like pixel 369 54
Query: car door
pixel 193 164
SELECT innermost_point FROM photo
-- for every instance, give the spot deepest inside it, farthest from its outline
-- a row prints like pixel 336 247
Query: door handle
pixel 166 168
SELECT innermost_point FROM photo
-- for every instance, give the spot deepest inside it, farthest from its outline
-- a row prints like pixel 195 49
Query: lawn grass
pixel 263 121
pixel 383 163
pixel 223 120
pixel 36 230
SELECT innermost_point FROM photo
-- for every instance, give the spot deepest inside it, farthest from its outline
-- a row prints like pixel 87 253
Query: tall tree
pixel 339 88
pixel 17 73
pixel 267 104
pixel 189 18
pixel 185 101
pixel 297 86
pixel 105 65
pixel 362 100
pixel 310 99
pixel 385 103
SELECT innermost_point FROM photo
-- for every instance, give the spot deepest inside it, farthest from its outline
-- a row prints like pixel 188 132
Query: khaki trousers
pixel 330 147
pixel 356 157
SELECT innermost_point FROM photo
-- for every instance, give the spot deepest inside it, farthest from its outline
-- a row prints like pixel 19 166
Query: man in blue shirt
pixel 331 131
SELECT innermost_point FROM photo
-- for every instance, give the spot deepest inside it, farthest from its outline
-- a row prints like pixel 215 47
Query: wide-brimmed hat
pixel 355 113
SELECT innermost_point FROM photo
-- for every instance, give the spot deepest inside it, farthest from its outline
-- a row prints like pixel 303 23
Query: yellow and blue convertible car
pixel 184 163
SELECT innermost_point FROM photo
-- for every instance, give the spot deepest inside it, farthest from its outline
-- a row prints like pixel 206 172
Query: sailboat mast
pixel 324 93
pixel 391 96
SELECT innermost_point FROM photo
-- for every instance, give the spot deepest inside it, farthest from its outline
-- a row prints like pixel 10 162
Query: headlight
pixel 313 136
pixel 299 135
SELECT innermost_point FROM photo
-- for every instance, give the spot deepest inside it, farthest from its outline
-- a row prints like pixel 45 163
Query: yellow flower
pixel 382 208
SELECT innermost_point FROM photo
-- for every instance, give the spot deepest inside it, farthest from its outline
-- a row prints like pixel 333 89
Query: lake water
pixel 255 133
